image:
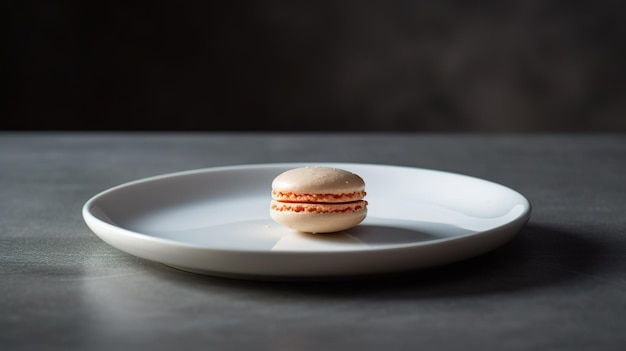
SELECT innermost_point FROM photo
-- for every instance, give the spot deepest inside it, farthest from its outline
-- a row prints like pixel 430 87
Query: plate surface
pixel 216 221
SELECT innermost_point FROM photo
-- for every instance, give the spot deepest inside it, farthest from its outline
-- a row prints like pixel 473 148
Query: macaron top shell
pixel 318 180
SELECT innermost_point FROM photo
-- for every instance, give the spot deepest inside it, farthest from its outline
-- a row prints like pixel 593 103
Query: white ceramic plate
pixel 216 221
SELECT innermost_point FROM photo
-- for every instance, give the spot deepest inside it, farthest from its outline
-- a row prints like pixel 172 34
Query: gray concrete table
pixel 560 284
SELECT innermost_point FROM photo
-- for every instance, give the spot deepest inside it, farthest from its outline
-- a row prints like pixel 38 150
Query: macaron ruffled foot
pixel 318 199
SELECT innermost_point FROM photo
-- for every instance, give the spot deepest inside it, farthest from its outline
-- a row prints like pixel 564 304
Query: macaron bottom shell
pixel 319 222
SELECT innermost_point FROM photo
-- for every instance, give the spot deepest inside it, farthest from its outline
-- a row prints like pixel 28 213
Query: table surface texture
pixel 559 284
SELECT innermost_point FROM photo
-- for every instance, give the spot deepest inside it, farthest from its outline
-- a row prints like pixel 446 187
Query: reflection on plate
pixel 216 221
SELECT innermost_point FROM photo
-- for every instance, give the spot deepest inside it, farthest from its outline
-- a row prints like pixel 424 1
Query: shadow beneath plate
pixel 538 256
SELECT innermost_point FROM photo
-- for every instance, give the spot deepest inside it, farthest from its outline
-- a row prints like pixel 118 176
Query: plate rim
pixel 523 217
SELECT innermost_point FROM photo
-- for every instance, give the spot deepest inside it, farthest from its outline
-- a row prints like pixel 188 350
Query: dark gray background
pixel 315 65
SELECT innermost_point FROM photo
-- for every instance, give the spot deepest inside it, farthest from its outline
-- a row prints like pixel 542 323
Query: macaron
pixel 318 199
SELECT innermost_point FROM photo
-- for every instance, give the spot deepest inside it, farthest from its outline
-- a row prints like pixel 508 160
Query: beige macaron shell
pixel 316 180
pixel 313 222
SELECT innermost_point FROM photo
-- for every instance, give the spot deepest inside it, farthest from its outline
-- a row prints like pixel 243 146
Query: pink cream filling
pixel 319 207
pixel 317 198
